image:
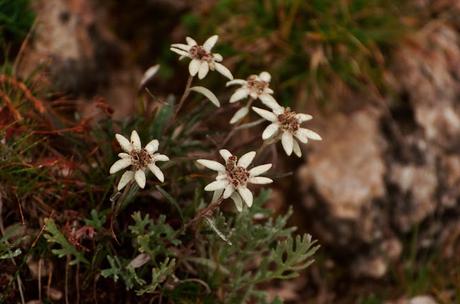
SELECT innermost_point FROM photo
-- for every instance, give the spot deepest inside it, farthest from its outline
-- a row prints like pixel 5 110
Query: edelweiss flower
pixel 256 87
pixel 233 177
pixel 203 59
pixel 287 124
pixel 139 159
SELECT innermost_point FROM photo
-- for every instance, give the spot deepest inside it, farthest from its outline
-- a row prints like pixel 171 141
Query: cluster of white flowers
pixel 233 176
pixel 202 59
pixel 140 159
pixel 255 87
pixel 285 124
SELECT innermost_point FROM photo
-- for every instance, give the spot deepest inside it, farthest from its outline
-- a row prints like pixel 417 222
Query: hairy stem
pixel 204 212
pixel 116 204
pixel 184 95
pixel 266 144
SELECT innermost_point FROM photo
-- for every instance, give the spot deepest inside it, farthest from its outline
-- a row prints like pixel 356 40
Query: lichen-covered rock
pixel 450 174
pixel 377 174
pixel 347 168
pixel 72 42
pixel 418 185
pixel 347 172
pixel 373 267
pixel 428 69
pixel 375 264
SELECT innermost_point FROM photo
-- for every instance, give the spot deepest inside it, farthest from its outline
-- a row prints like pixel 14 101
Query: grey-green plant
pixel 187 221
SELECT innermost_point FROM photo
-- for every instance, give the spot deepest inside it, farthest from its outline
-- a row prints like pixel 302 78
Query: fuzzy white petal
pixel 287 142
pixel 124 143
pixel 216 185
pixel 223 70
pixel 124 155
pixel 303 117
pixel 194 66
pixel 229 189
pixel 152 146
pixel 236 81
pixel 261 180
pixel 225 154
pixel 265 114
pixel 210 42
pixel 160 157
pixel 149 74
pixel 125 179
pixel 211 164
pixel 246 195
pixel 246 159
pixel 296 149
pixel 301 136
pixel 303 133
pixel 135 140
pixel 240 114
pixel 221 175
pixel 119 165
pixel 265 76
pixel 269 101
pixel 239 94
pixel 139 176
pixel 237 200
pixel 190 41
pixel 182 53
pixel 260 170
pixel 216 195
pixel 181 46
pixel 203 71
pixel 217 57
pixel 207 93
pixel 278 110
pixel 270 131
pixel 157 172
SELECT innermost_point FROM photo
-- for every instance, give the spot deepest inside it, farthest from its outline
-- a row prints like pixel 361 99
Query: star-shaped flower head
pixel 286 124
pixel 202 59
pixel 233 178
pixel 138 158
pixel 256 87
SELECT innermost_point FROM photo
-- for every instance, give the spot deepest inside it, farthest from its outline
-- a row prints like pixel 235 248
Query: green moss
pixel 16 18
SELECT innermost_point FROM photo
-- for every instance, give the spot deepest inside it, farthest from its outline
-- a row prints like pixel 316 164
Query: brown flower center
pixel 289 121
pixel 140 159
pixel 198 52
pixel 237 175
pixel 256 85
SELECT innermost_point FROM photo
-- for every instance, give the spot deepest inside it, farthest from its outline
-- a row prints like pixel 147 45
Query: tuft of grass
pixel 425 272
pixel 308 46
pixel 16 18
